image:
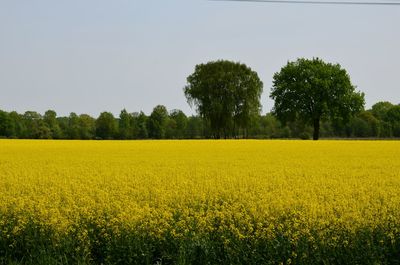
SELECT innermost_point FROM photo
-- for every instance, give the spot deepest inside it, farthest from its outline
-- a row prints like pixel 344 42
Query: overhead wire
pixel 320 2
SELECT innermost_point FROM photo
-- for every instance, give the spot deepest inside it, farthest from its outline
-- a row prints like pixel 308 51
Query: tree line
pixel 312 99
pixel 381 121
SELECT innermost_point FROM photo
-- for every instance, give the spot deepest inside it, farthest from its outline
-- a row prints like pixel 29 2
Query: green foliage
pixel 17 125
pixel 388 116
pixel 125 125
pixel 40 245
pixel 157 122
pixel 35 126
pixel 365 125
pixel 106 126
pixel 226 94
pixel 5 124
pixel 312 90
pixel 73 126
pixel 50 118
pixel 195 128
pixel 380 109
pixel 177 124
pixel 87 126
pixel 141 126
pixel 393 118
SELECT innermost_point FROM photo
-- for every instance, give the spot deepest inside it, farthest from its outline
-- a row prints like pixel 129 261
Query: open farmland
pixel 187 202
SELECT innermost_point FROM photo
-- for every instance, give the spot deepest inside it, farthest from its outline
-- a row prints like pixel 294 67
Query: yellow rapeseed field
pixel 185 202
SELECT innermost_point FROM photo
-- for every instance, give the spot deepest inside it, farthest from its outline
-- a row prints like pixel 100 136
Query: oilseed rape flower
pixel 204 202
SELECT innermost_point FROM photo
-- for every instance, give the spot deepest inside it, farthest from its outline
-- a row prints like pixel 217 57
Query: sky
pixel 100 55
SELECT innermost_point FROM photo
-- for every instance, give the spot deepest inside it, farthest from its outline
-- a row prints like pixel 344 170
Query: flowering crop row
pixel 199 202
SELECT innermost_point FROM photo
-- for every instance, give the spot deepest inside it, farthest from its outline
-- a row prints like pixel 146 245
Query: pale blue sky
pixel 95 55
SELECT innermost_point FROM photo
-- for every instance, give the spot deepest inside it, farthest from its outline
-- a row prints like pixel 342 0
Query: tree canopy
pixel 106 126
pixel 157 122
pixel 226 94
pixel 311 98
pixel 312 90
pixel 176 125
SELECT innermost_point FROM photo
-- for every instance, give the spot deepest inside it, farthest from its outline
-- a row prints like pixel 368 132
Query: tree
pixel 17 128
pixel 125 125
pixel 312 90
pixel 170 129
pixel 380 109
pixel 194 128
pixel 179 121
pixel 63 122
pixel 157 122
pixel 270 126
pixel 226 95
pixel 106 126
pixel 365 124
pixel 263 126
pixel 5 124
pixel 36 128
pixel 73 126
pixel 50 118
pixel 393 118
pixel 372 121
pixel 140 125
pixel 87 126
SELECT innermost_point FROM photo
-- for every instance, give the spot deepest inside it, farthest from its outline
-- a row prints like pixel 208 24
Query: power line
pixel 317 2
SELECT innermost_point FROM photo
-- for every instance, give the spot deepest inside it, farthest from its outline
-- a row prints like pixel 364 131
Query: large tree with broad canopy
pixel 313 90
pixel 226 95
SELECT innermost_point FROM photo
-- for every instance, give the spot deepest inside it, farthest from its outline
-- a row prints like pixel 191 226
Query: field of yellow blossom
pixel 199 202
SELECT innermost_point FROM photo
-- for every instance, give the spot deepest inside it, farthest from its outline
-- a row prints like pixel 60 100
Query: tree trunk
pixel 316 129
